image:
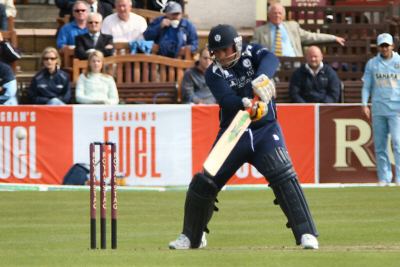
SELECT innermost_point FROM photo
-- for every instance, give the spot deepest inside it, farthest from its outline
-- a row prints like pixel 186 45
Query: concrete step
pixel 38 12
pixel 35 24
pixel 29 63
pixel 35 40
pixel 36 16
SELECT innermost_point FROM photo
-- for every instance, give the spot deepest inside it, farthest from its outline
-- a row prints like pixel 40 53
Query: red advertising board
pixel 45 155
pixel 345 146
pixel 298 126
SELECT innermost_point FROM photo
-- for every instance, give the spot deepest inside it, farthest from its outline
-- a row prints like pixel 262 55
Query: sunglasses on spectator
pixel 93 22
pixel 80 10
pixel 49 58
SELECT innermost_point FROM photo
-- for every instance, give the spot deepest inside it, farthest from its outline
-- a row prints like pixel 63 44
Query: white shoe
pixel 203 243
pixel 183 242
pixel 383 183
pixel 309 241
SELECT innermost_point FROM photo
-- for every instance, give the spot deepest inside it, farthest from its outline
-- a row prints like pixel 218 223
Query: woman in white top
pixel 95 87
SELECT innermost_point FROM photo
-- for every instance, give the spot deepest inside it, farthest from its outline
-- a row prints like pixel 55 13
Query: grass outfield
pixel 358 227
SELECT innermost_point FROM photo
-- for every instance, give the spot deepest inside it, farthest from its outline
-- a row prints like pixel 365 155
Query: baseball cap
pixel 173 7
pixel 384 38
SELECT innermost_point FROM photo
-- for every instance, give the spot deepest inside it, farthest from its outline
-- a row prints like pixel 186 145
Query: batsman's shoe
pixel 183 242
pixel 309 241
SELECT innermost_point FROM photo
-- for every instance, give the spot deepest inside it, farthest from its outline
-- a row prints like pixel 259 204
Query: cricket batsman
pixel 239 79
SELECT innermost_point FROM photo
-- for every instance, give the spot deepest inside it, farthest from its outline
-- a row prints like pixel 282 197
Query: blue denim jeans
pixel 3 18
pixel 382 127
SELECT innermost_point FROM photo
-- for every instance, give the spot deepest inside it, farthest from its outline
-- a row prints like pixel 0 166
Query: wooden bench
pixel 350 70
pixel 148 93
pixel 352 47
pixel 347 67
pixel 133 71
pixel 352 91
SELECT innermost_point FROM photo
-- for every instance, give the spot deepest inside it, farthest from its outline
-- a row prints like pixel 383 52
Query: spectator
pixel 7 9
pixel 50 85
pixel 124 26
pixel 101 7
pixel 315 82
pixel 285 38
pixel 8 53
pixel 172 32
pixel 194 87
pixel 68 32
pixel 156 5
pixel 382 84
pixel 8 85
pixel 95 87
pixel 65 7
pixel 94 39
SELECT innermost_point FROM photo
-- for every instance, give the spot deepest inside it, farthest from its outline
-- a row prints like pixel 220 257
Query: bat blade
pixel 227 142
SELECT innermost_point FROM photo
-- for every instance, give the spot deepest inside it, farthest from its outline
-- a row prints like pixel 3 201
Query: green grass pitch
pixel 358 226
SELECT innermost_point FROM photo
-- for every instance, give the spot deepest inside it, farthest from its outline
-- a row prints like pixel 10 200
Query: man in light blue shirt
pixel 382 84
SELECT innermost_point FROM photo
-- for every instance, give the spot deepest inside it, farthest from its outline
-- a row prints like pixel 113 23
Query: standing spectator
pixel 194 87
pixel 157 5
pixel 95 87
pixel 382 84
pixel 7 9
pixel 285 38
pixel 124 26
pixel 172 32
pixel 68 32
pixel 94 39
pixel 8 85
pixel 101 7
pixel 50 85
pixel 8 53
pixel 314 82
pixel 65 7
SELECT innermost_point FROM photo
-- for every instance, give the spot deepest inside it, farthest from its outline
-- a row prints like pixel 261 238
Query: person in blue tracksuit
pixel 172 32
pixel 230 79
pixel 382 84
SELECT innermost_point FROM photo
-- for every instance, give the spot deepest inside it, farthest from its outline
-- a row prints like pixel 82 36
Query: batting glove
pixel 256 109
pixel 264 88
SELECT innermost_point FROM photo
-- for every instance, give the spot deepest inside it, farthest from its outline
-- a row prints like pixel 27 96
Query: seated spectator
pixel 68 32
pixel 194 87
pixel 7 9
pixel 94 39
pixel 172 32
pixel 285 38
pixel 124 26
pixel 101 7
pixel 315 82
pixel 8 85
pixel 50 85
pixel 95 87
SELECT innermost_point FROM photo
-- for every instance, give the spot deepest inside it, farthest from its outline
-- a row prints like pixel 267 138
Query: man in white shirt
pixel 124 26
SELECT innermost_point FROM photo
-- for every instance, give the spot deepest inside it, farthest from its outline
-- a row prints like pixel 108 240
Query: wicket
pixel 103 200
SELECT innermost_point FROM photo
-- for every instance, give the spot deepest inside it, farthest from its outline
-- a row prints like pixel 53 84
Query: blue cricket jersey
pixel 230 85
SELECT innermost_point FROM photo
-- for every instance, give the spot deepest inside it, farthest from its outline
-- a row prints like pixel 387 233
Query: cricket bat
pixel 227 142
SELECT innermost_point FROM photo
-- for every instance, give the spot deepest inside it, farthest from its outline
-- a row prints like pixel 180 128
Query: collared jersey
pixel 382 83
